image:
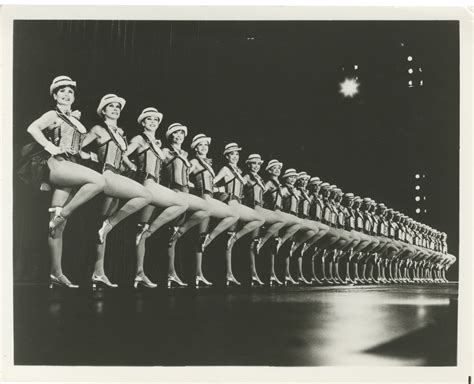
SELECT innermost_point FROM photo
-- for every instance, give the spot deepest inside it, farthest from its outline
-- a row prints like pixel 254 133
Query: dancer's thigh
pixel 245 213
pixel 195 203
pixel 270 217
pixel 68 174
pixel 123 187
pixel 220 210
pixel 163 197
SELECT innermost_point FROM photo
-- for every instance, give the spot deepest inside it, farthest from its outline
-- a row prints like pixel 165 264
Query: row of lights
pixel 411 71
pixel 418 198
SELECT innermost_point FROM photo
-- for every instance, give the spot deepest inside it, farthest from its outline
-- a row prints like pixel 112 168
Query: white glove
pixel 52 149
pixel 94 157
pixel 76 114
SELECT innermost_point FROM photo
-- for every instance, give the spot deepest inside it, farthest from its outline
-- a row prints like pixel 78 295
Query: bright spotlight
pixel 410 70
pixel 417 198
pixel 409 58
pixel 421 82
pixel 417 187
pixel 356 67
pixel 417 175
pixel 418 210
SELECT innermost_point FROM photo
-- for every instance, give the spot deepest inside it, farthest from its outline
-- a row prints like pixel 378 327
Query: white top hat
pixel 273 163
pixel 254 158
pixel 61 81
pixel 314 180
pixel 200 138
pixel 302 175
pixel 150 111
pixel 290 172
pixel 176 127
pixel 110 98
pixel 325 185
pixel 349 195
pixel 231 147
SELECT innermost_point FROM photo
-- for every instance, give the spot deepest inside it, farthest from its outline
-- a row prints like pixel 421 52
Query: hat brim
pixel 269 166
pixel 62 83
pixel 232 150
pixel 103 104
pixel 206 139
pixel 175 129
pixel 143 116
pixel 289 175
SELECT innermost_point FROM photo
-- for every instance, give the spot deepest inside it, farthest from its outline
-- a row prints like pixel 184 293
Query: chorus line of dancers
pixel 289 213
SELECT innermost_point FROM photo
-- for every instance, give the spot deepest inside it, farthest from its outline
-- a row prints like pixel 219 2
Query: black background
pixel 271 86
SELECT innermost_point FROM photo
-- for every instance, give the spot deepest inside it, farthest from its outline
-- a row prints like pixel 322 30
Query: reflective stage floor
pixel 356 325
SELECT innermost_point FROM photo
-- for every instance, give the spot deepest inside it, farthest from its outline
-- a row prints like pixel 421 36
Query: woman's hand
pixel 76 114
pixel 52 149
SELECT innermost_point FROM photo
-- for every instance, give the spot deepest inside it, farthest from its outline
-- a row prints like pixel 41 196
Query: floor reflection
pixel 396 325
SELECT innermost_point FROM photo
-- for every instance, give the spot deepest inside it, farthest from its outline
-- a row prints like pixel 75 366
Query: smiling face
pixel 64 96
pixel 202 148
pixel 177 137
pixel 254 166
pixel 151 123
pixel 111 111
pixel 302 183
pixel 291 180
pixel 275 170
pixel 233 157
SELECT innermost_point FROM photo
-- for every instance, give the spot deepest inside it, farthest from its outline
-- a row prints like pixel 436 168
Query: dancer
pixel 111 147
pixel 176 171
pixel 166 205
pixel 61 134
pixel 202 174
pixel 253 197
pixel 230 179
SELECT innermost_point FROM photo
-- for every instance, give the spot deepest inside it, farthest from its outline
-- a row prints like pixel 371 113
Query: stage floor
pixel 405 325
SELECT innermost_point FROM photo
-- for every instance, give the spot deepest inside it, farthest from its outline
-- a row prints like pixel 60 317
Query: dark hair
pixel 56 90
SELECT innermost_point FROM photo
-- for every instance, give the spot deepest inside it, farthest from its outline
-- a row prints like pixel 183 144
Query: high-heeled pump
pixel 175 281
pixel 289 281
pixel 203 242
pixel 102 281
pixel 302 281
pixel 104 230
pixel 275 282
pixel 201 281
pixel 142 229
pixel 56 221
pixel 61 281
pixel 143 281
pixel 256 282
pixel 232 282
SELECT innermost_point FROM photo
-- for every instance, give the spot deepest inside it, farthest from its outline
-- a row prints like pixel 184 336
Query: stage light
pixel 417 187
pixel 349 87
pixel 417 176
pixel 419 69
pixel 425 211
pixel 418 210
pixel 421 82
pixel 402 44
pixel 424 176
pixel 410 83
pixel 410 70
pixel 356 67
pixel 424 197
pixel 417 198
pixel 409 58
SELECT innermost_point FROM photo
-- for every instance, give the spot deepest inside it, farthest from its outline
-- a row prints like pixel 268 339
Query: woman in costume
pixel 61 135
pixel 112 145
pixel 254 189
pixel 202 175
pixel 166 205
pixel 231 181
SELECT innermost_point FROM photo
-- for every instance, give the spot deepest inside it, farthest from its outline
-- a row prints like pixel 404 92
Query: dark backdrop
pixel 272 86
